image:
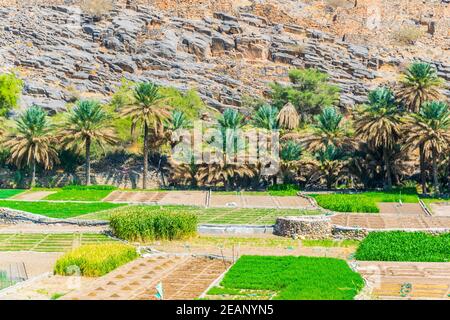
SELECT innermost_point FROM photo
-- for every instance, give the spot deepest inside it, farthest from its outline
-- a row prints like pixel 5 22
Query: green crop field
pixel 404 246
pixel 58 209
pixel 7 193
pixel 362 202
pixel 42 242
pixel 289 278
pixel 215 215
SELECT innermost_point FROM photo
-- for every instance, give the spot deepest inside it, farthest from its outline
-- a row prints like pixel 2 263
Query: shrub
pixel 144 224
pixel 408 34
pixel 10 89
pixel 404 246
pixel 95 260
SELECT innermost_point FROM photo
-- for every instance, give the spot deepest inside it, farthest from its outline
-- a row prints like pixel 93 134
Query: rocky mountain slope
pixel 225 49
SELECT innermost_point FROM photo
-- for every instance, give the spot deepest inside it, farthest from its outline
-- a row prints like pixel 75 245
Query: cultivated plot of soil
pixel 33 195
pixel 388 221
pixel 441 209
pixel 407 280
pixel 189 198
pixel 50 242
pixel 182 277
pixel 35 262
pixel 396 208
pixel 243 201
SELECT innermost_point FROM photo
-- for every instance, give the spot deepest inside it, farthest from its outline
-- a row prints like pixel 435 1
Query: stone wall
pixel 321 227
pixel 312 227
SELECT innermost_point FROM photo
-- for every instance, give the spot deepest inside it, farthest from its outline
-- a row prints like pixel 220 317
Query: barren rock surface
pixel 225 49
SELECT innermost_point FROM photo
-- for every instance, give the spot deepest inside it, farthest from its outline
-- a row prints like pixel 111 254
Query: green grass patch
pixel 8 193
pixel 214 215
pixel 140 224
pixel 362 202
pixel 61 210
pixel 49 242
pixel 404 246
pixel 329 243
pixel 284 190
pixel 78 195
pixel 295 278
pixel 95 260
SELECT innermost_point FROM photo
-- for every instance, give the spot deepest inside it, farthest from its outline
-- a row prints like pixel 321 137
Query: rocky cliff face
pixel 225 49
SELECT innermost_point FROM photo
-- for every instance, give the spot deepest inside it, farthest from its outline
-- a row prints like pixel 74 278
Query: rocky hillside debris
pixel 224 56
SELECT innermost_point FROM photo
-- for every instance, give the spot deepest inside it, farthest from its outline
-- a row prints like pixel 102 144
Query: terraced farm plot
pixel 58 209
pixel 49 242
pixel 7 193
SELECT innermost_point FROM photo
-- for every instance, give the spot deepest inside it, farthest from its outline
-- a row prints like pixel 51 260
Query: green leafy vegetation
pixel 328 243
pixel 404 246
pixel 81 193
pixel 95 260
pixel 295 278
pixel 58 209
pixel 10 89
pixel 8 193
pixel 54 242
pixel 363 202
pixel 283 190
pixel 141 224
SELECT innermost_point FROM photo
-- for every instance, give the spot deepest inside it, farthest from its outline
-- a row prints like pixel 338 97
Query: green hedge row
pixel 140 223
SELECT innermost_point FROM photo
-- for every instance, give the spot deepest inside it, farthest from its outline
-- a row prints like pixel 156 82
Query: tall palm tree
pixel 378 124
pixel 328 130
pixel 331 161
pixel 87 124
pixel 430 128
pixel 34 142
pixel 266 117
pixel 290 155
pixel 148 110
pixel 419 84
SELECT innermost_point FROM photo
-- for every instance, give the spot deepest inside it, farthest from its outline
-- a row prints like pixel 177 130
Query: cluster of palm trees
pixel 374 144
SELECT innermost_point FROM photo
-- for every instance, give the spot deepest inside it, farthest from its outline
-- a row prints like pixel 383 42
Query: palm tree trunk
pixel 388 168
pixel 33 173
pixel 435 172
pixel 88 161
pixel 144 174
pixel 423 178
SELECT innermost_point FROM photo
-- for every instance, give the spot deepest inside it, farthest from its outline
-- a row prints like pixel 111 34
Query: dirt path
pixel 182 277
pixel 32 195
pixel 441 209
pixel 406 280
pixel 35 262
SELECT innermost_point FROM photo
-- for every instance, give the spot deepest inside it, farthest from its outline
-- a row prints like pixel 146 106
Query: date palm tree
pixel 328 130
pixel 430 128
pixel 266 117
pixel 378 124
pixel 419 84
pixel 331 161
pixel 34 142
pixel 148 110
pixel 85 125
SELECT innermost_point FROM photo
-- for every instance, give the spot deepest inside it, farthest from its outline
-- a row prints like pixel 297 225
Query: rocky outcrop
pixel 62 54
